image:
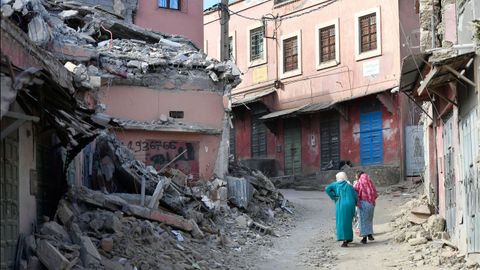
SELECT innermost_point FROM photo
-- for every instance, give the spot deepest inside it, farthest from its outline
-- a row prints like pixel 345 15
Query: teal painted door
pixel 293 147
pixel 371 140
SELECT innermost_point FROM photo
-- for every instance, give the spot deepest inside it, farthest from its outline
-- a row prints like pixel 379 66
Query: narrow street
pixel 311 244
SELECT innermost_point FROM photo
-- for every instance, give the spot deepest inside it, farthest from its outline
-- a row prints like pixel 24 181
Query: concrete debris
pixel 66 14
pixel 122 52
pixel 39 31
pixel 428 240
pixel 97 230
pixel 7 11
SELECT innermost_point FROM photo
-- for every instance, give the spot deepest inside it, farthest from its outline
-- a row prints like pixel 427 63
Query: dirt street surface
pixel 311 243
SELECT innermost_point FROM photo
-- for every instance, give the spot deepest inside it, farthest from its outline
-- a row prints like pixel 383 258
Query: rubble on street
pixel 192 225
pixel 425 233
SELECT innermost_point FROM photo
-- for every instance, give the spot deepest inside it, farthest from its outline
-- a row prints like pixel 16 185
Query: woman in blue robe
pixel 345 198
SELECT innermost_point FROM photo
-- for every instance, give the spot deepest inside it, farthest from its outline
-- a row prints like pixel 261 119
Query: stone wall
pixel 382 175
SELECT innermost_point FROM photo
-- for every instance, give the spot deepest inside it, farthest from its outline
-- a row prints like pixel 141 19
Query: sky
pixel 209 3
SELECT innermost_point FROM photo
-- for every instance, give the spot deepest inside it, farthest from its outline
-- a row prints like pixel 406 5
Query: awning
pixel 412 66
pixel 446 71
pixel 238 100
pixel 282 113
pixel 317 107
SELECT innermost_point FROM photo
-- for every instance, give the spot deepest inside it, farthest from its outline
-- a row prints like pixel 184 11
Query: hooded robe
pixel 345 199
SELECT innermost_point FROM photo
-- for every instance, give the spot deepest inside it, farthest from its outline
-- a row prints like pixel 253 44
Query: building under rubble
pixel 72 71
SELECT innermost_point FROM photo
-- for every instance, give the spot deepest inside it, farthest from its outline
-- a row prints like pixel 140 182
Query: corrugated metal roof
pixel 281 113
pixel 412 65
pixel 317 107
pixel 250 97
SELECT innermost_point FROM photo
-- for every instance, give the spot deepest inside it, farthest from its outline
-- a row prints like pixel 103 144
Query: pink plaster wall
pixel 208 146
pixel 341 81
pixel 145 104
pixel 186 22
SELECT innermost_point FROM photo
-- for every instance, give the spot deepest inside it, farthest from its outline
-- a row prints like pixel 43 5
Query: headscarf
pixel 342 176
pixel 365 189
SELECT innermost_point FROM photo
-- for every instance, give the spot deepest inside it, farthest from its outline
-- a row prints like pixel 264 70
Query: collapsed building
pixel 109 132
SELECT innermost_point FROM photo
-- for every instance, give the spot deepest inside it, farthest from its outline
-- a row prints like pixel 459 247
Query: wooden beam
pixel 426 81
pixel 22 116
pixel 460 76
pixel 11 128
pixel 443 97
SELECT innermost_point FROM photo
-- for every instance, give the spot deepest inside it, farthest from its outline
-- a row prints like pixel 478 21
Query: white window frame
pixel 336 61
pixel 258 61
pixel 364 55
pixel 297 71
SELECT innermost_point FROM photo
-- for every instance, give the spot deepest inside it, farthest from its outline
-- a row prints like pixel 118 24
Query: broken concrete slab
pixel 66 14
pixel 156 215
pixel 89 253
pixel 422 210
pixel 7 11
pixel 39 31
pixel 50 257
pixel 417 219
pixel 64 213
pixel 417 241
pixel 55 230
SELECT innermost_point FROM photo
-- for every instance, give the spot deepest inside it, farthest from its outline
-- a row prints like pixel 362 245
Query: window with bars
pixel 169 4
pixel 327 43
pixel 256 44
pixel 368 32
pixel 290 54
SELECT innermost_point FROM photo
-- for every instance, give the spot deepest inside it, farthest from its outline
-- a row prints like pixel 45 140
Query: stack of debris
pixel 426 233
pixel 95 44
pixel 164 223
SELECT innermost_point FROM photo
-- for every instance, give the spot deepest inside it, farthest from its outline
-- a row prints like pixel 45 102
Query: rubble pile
pixel 262 197
pixel 174 223
pixel 426 233
pixel 95 44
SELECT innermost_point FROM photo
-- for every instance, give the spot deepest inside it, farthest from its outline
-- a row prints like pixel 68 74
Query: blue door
pixel 371 141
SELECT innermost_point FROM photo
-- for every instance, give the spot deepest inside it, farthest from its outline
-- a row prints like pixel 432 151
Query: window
pixel 176 114
pixel 328 46
pixel 256 44
pixel 367 34
pixel 290 54
pixel 170 4
pixel 327 43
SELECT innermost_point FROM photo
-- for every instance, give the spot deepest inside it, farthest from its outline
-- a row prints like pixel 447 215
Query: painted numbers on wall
pixel 160 153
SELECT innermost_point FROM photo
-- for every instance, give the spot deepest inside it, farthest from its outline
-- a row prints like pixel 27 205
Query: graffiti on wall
pixel 159 153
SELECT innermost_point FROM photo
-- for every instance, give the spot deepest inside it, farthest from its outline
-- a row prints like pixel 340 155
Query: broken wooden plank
pixel 173 220
pixel 158 193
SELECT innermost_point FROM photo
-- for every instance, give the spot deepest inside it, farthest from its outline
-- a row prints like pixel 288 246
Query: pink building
pixel 319 84
pixel 180 17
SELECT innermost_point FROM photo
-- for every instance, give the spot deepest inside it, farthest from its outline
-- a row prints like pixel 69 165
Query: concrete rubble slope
pixel 100 44
pixel 97 230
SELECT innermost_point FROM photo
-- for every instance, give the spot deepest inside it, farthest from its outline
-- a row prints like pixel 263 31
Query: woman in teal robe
pixel 345 198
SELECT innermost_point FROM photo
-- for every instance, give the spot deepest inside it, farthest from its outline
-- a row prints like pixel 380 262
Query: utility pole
pixel 224 36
